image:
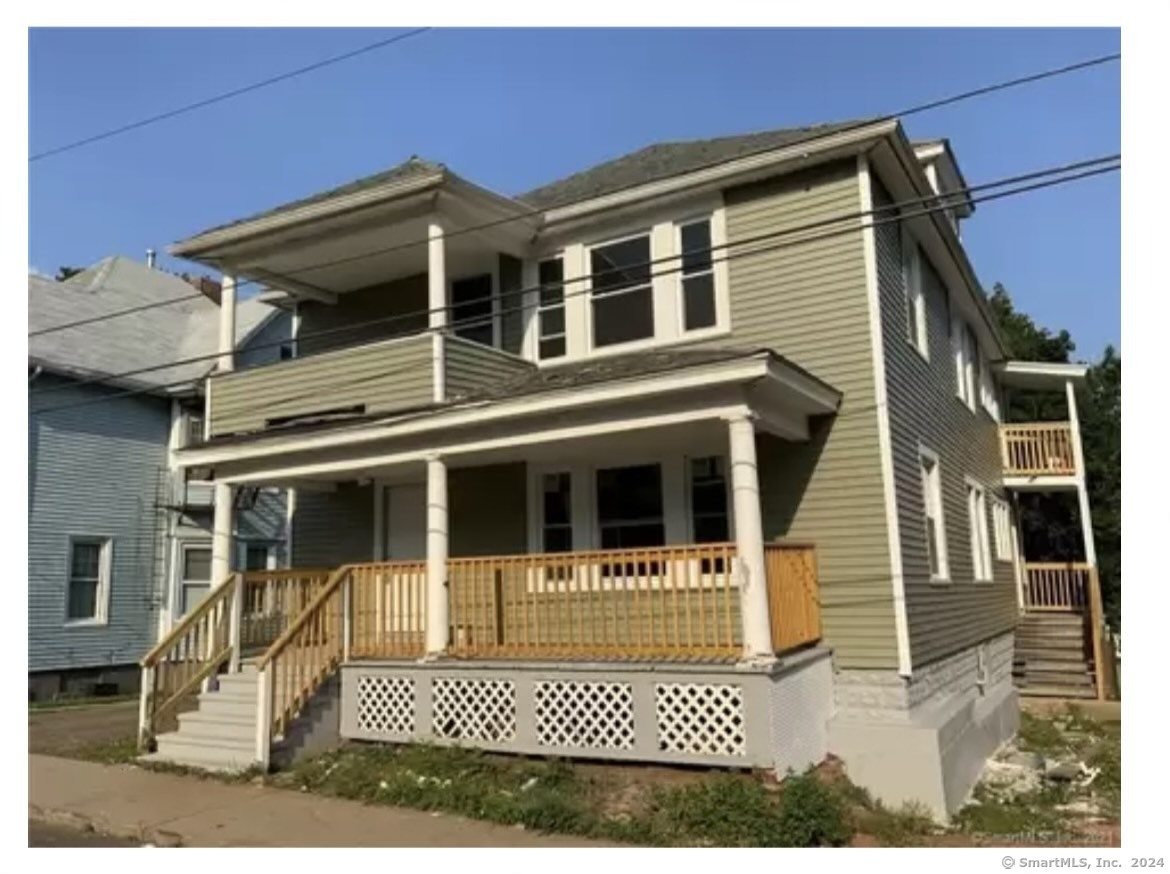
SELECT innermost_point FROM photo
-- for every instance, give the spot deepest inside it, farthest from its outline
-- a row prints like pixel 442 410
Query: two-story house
pixel 119 536
pixel 691 457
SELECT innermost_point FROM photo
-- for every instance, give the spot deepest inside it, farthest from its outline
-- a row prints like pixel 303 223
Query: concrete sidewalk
pixel 170 810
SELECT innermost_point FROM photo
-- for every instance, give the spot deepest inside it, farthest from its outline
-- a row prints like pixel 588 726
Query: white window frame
pixel 590 321
pixel 917 334
pixel 1002 516
pixel 988 391
pixel 976 494
pixel 932 499
pixel 181 583
pixel 105 546
pixel 542 308
pixel 270 548
pixel 717 223
pixel 965 363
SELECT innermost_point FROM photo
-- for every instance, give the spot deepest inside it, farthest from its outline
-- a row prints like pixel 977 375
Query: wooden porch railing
pixel 174 671
pixel 388 609
pixel 663 602
pixel 1057 586
pixel 793 595
pixel 1037 449
pixel 272 600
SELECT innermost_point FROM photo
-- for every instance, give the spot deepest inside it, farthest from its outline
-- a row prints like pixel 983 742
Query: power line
pixel 911 110
pixel 954 195
pixel 190 107
pixel 107 316
pixel 943 204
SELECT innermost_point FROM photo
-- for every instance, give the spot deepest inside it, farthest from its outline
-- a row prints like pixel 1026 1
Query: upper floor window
pixel 551 313
pixel 471 309
pixel 966 362
pixel 698 275
pixel 89 579
pixel 988 396
pixel 915 297
pixel 621 295
pixel 193 429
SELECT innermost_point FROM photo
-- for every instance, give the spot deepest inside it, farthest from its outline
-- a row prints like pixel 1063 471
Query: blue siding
pixel 95 470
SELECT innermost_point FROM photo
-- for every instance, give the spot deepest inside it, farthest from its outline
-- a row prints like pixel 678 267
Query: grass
pixel 68 703
pixel 116 752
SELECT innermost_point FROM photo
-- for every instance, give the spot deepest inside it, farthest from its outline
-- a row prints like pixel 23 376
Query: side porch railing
pixel 1038 449
pixel 1057 586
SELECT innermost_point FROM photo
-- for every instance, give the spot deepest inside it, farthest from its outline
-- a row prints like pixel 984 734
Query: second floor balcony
pixel 1038 449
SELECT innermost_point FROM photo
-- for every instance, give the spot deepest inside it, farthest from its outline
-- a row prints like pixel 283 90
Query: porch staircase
pixel 1053 656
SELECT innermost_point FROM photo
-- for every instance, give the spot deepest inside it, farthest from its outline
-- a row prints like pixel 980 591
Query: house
pixel 692 457
pixel 119 537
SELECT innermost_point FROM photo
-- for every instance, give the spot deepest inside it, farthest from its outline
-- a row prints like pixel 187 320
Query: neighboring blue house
pixel 119 541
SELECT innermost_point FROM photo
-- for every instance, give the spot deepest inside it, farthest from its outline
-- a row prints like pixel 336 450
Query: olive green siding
pixel 471 366
pixel 488 510
pixel 379 377
pixel 333 528
pixel 378 312
pixel 925 410
pixel 807 301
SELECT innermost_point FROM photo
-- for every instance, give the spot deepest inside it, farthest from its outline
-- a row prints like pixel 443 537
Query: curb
pixel 144 834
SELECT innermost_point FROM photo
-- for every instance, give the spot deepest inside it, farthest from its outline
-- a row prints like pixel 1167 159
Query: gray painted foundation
pixel 751 716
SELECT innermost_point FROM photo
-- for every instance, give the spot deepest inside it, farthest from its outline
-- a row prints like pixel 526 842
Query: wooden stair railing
pixel 192 652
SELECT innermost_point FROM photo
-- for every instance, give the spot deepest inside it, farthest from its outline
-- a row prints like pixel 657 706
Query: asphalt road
pixel 41 834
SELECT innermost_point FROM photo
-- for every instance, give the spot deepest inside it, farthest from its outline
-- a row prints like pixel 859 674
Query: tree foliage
pixel 1050 523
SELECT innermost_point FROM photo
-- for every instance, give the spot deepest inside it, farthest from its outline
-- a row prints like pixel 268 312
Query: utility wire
pixel 255 86
pixel 942 204
pixel 107 316
pixel 911 110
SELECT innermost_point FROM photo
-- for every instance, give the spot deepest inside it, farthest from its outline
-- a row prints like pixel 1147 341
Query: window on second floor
pixel 471 309
pixel 621 296
pixel 915 298
pixel 966 350
pixel 698 276
pixel 551 311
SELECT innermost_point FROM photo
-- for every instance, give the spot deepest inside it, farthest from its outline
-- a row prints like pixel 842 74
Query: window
pixel 966 361
pixel 194 429
pixel 915 297
pixel 629 507
pixel 936 536
pixel 287 351
pixel 557 509
pixel 621 297
pixel 89 580
pixel 709 522
pixel 551 314
pixel 258 557
pixel 977 516
pixel 698 276
pixel 1003 529
pixel 988 396
pixel 196 577
pixel 471 309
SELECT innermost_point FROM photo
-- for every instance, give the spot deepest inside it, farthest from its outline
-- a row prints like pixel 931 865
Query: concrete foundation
pixel 84 682
pixel 926 738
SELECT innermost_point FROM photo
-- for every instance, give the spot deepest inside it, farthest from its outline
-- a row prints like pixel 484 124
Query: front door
pixel 406 522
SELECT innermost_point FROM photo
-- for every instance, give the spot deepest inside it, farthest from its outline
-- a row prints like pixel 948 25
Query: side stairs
pixel 220 734
pixel 1053 657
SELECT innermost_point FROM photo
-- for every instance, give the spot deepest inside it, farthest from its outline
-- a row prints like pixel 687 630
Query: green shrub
pixel 811 814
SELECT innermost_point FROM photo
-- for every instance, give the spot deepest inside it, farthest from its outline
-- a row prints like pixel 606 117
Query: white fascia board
pixel 309 212
pixel 821 397
pixel 481 413
pixel 1033 373
pixel 721 174
pixel 452 448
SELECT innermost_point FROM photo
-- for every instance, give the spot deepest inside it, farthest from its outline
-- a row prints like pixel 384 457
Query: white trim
pixel 1040 483
pixel 882 411
pixel 941 546
pixel 975 494
pixel 1082 489
pixel 734 371
pixel 914 295
pixel 1001 517
pixel 101 606
pixel 182 544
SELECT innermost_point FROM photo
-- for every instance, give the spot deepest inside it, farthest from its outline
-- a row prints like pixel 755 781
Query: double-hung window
pixel 1003 529
pixel 89 580
pixel 551 312
pixel 977 516
pixel 698 276
pixel 556 512
pixel 471 309
pixel 988 395
pixel 709 522
pixel 915 297
pixel 621 296
pixel 936 536
pixel 966 362
pixel 629 507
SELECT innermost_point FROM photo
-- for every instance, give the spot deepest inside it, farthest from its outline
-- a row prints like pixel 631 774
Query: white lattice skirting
pixel 679 714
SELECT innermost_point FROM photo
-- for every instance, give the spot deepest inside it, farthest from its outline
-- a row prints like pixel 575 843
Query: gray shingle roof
pixel 154 336
pixel 662 160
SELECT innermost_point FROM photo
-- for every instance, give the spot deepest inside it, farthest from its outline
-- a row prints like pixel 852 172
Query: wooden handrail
pixel 184 625
pixel 794 602
pixel 297 624
pixel 1038 448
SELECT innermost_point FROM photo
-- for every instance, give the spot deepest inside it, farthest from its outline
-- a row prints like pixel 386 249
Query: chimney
pixel 207 285
pixel 150 258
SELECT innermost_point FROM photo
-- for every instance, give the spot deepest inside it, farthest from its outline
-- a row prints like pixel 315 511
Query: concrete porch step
pixel 210 724
pixel 183 748
pixel 1039 691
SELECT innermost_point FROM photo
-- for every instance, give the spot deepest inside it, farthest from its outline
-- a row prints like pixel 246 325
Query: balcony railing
pixel 1057 586
pixel 1038 449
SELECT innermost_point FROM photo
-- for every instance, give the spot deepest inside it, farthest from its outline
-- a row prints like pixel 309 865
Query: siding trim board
pixel 885 441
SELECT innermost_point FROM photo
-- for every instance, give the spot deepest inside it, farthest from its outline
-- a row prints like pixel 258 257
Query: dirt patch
pixel 69 730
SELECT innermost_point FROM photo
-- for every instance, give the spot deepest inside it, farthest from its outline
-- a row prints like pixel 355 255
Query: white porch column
pixel 1082 491
pixel 438 317
pixel 222 543
pixel 227 324
pixel 749 539
pixel 437 612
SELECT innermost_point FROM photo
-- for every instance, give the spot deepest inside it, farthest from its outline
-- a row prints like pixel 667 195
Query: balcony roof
pixel 1040 374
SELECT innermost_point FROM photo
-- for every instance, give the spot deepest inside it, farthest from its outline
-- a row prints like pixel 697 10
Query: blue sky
pixel 512 109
